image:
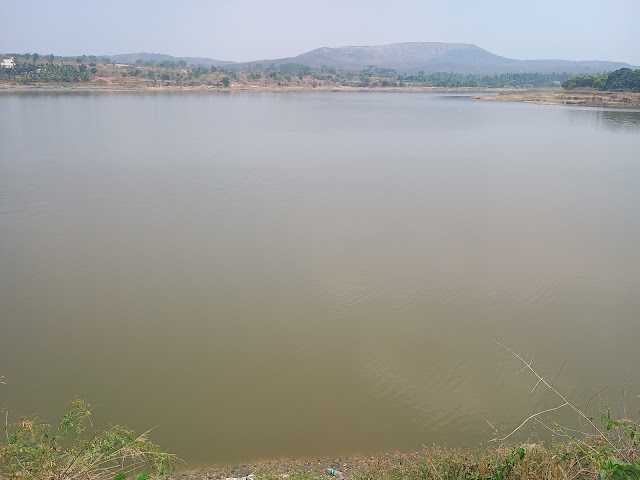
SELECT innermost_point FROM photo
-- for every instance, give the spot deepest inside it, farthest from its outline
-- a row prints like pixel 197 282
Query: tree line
pixel 519 80
pixel 35 68
pixel 621 79
pixel 26 73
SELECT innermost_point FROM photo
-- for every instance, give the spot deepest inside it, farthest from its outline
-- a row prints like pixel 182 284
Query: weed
pixel 77 450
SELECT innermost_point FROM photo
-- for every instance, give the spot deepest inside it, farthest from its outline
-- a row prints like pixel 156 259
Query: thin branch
pixel 535 386
pixel 80 452
pixel 573 407
pixel 562 427
pixel 526 365
pixel 581 444
pixel 529 418
pixel 559 372
pixel 25 468
pixel 586 409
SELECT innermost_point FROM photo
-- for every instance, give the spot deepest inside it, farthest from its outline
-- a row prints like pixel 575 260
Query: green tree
pixel 226 81
pixel 295 68
pixel 601 82
pixel 578 82
pixel 35 57
pixel 624 79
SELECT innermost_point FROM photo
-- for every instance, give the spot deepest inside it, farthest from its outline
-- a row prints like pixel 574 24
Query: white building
pixel 7 62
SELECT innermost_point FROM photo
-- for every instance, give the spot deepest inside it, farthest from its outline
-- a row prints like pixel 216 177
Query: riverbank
pixel 527 461
pixel 240 87
pixel 585 98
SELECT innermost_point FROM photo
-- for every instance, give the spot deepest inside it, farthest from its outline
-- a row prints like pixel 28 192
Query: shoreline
pixel 528 461
pixel 242 88
pixel 345 468
pixel 581 98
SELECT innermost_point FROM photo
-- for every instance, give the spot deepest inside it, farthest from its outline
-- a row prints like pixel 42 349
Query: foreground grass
pixel 528 461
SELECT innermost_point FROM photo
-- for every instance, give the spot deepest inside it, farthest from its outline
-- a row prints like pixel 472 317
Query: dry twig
pixel 580 413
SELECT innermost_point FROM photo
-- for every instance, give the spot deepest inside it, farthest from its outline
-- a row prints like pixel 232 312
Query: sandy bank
pixel 585 98
pixel 237 87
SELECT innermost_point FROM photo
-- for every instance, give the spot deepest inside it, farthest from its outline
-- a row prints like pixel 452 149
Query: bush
pixel 621 79
pixel 77 450
pixel 579 81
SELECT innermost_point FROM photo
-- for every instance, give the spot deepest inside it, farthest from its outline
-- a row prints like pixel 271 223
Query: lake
pixel 269 275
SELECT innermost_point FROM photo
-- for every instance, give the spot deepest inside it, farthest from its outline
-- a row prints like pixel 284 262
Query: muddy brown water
pixel 283 275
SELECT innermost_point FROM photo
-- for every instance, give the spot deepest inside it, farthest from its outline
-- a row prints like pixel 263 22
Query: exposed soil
pixel 584 97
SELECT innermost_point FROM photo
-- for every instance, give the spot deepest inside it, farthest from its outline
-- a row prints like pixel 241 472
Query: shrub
pixel 77 450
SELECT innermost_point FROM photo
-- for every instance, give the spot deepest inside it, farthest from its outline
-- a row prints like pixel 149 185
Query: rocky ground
pixel 327 468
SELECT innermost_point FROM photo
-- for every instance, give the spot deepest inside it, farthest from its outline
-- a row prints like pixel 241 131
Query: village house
pixel 7 62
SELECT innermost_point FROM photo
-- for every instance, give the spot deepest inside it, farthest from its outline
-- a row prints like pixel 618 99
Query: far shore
pixel 587 97
pixel 242 87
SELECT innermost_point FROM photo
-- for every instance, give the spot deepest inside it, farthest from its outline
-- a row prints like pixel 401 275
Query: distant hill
pixel 408 57
pixel 432 57
pixel 131 58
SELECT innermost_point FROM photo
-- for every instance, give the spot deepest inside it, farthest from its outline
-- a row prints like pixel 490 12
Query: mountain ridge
pixel 405 57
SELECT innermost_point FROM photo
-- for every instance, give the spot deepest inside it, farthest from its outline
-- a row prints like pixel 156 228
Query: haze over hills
pixel 131 58
pixel 408 57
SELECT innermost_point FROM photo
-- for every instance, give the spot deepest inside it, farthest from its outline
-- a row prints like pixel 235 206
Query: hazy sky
pixel 259 29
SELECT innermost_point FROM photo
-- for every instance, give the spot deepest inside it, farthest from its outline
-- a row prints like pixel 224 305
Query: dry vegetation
pixel 589 97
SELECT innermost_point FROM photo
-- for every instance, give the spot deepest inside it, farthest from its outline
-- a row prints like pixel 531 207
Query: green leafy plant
pixel 615 469
pixel 498 470
pixel 77 450
pixel 627 435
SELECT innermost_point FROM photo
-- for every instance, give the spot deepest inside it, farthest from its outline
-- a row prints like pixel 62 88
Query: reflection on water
pixel 250 270
pixel 615 120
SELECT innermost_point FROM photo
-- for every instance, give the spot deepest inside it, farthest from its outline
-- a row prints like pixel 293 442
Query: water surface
pixel 308 274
